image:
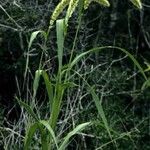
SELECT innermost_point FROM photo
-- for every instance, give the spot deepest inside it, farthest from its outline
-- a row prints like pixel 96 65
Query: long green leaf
pixel 78 58
pixel 36 82
pixel 60 28
pixel 100 110
pixel 49 86
pixel 28 109
pixel 70 134
pixel 34 35
pixel 48 127
pixel 47 82
pixel 56 104
pixel 29 135
pixel 97 104
pixel 32 38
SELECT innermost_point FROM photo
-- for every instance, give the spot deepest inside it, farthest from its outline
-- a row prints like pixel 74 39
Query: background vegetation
pixel 116 79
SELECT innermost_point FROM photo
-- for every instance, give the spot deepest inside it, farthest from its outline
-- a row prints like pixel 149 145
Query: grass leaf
pixel 78 58
pixel 34 35
pixel 48 84
pixel 29 135
pixel 73 132
pixel 28 109
pixel 36 82
pixel 60 27
pixel 100 110
pixel 48 127
pixel 32 38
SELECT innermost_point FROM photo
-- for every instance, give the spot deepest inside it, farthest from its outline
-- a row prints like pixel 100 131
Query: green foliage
pixel 69 135
pixel 58 109
pixel 59 88
pixel 28 108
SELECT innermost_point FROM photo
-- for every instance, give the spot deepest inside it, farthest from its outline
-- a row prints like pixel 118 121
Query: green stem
pixel 44 142
pixel 56 107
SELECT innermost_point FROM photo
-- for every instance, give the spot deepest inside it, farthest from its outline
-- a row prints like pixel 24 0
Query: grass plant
pixel 57 87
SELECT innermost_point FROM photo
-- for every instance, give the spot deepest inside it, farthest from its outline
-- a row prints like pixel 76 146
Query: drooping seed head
pixel 87 3
pixel 103 2
pixel 137 3
pixel 72 6
pixel 58 10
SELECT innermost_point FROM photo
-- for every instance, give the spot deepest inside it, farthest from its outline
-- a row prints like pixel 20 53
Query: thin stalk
pixel 75 39
pixel 44 142
pixel 76 35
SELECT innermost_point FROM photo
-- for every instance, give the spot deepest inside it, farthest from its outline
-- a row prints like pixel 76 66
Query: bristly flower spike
pixel 101 2
pixel 137 3
pixel 58 10
pixel 87 3
pixel 72 6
